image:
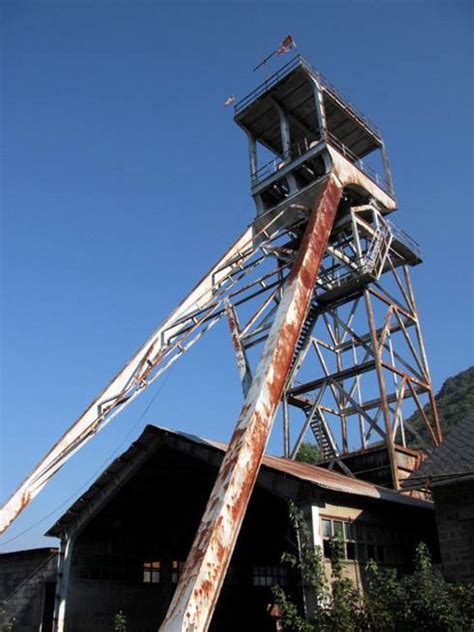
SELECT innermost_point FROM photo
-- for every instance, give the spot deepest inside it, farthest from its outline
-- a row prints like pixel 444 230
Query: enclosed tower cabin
pixel 290 120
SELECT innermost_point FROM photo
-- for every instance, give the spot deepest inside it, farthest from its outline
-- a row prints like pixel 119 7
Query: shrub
pixel 420 601
pixel 120 622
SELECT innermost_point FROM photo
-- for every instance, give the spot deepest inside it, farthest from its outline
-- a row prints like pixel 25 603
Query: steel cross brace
pixel 197 592
pixel 197 314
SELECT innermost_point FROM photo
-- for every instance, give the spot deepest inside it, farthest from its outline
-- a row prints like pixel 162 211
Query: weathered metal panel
pixel 350 175
pixel 196 594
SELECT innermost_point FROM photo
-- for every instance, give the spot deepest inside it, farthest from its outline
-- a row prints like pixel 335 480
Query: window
pixel 176 569
pixel 270 576
pixel 326 528
pixel 364 541
pixel 342 530
pixel 151 572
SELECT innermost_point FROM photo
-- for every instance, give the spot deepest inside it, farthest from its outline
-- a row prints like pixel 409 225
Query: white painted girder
pixel 143 368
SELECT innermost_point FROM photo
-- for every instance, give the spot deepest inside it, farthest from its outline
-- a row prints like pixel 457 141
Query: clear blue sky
pixel 124 178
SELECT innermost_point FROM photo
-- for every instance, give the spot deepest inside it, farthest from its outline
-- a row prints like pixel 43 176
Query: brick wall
pixel 454 505
pixel 23 579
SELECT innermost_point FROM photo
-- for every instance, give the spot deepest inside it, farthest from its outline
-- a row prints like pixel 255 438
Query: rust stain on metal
pixel 210 554
pixel 236 341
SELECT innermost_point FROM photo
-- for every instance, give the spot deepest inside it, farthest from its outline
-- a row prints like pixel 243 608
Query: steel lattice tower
pixel 322 315
pixel 360 365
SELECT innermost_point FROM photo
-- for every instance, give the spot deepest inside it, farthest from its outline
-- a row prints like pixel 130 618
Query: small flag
pixel 287 44
pixel 284 47
pixel 229 100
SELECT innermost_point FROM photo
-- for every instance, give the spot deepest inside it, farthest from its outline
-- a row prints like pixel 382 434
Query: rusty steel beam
pixel 421 342
pixel 197 592
pixel 240 355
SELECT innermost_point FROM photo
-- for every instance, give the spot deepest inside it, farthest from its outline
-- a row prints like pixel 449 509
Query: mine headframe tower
pixel 336 314
pixel 360 367
pixel 323 319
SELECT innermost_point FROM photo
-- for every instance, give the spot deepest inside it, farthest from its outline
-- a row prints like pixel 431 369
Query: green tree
pixel 309 453
pixel 335 607
pixel 429 603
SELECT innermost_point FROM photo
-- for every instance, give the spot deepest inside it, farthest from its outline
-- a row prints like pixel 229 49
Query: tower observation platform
pixel 291 119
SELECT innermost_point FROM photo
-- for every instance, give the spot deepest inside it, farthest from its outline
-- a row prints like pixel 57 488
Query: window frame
pixel 347 528
pixel 151 572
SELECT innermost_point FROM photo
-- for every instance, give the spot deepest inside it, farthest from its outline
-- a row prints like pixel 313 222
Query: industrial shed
pixel 124 542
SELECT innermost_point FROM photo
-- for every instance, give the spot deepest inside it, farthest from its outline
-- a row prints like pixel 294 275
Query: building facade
pixel 124 542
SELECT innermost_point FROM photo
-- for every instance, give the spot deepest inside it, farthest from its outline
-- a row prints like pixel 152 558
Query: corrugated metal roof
pixel 152 436
pixel 328 479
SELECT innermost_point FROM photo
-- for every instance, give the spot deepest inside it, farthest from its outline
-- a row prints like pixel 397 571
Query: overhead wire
pixel 101 467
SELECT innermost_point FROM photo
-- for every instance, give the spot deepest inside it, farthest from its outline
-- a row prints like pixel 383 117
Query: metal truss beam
pixel 360 286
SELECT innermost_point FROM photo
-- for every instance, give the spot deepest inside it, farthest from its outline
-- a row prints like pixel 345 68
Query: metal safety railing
pixel 341 274
pixel 300 61
pixel 267 84
pixel 267 170
pixel 275 164
pixel 403 237
pixel 370 262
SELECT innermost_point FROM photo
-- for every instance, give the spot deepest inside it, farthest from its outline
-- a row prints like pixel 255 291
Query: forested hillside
pixel 454 400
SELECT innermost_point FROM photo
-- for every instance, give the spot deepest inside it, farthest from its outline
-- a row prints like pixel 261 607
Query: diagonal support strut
pixel 197 592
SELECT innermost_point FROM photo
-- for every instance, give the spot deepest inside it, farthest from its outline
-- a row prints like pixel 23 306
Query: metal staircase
pixel 378 251
pixel 327 449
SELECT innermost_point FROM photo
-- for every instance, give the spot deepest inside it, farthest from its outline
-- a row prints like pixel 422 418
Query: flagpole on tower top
pixel 287 44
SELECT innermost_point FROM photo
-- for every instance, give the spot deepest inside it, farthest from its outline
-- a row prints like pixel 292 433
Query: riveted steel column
pixel 196 595
pixel 424 357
